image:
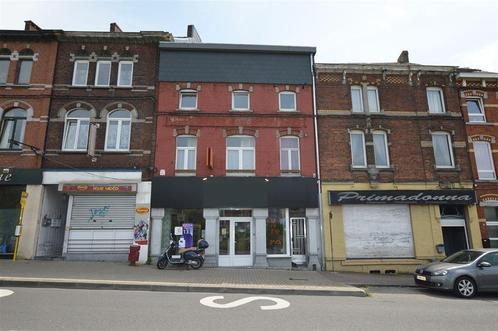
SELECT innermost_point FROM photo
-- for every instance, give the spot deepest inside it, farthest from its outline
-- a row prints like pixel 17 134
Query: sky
pixel 456 32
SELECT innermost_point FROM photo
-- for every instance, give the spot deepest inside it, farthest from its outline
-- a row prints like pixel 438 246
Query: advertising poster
pixel 188 234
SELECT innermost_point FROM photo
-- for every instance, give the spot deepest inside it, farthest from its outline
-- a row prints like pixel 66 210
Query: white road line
pixel 5 293
pixel 278 303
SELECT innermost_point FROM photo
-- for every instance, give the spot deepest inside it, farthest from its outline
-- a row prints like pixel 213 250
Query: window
pixel 357 99
pixel 276 232
pixel 118 131
pixel 491 214
pixel 287 101
pixel 4 70
pixel 491 258
pixel 24 76
pixel 484 160
pixel 435 100
pixel 358 155
pixel 475 110
pixel 289 154
pixel 186 152
pixel 188 99
pixel 373 99
pixel 125 73
pixel 76 130
pixel 443 152
pixel 240 153
pixel 240 100
pixel 13 125
pixel 103 75
pixel 381 150
pixel 80 73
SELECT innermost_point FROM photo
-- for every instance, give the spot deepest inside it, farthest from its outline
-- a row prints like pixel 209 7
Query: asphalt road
pixel 385 309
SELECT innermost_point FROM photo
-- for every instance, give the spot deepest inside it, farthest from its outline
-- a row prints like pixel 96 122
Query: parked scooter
pixel 193 257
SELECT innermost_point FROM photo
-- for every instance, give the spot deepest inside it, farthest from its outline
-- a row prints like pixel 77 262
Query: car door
pixel 488 276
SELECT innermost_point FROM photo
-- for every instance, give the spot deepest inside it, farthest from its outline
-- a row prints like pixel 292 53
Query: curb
pixel 384 285
pixel 176 287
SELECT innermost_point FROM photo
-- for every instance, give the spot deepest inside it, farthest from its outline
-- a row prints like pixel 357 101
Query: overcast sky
pixel 456 32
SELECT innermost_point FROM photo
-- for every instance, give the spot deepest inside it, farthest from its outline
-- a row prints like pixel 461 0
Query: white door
pixel 298 239
pixel 235 242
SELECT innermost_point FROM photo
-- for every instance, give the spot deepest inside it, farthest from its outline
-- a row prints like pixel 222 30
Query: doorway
pixel 298 239
pixel 454 235
pixel 235 242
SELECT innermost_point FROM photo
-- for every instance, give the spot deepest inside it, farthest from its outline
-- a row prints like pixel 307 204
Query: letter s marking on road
pixel 278 303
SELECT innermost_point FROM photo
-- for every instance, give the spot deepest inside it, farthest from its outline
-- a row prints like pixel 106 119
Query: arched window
pixel 241 153
pixel 118 131
pixel 186 152
pixel 4 64
pixel 289 154
pixel 76 130
pixel 13 125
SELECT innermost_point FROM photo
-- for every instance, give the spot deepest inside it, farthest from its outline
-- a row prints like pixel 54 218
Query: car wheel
pixel 465 287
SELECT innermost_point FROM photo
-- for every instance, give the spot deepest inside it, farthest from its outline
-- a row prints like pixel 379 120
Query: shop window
pixel 358 154
pixel 188 100
pixel 357 99
pixel 186 152
pixel 240 100
pixel 76 130
pixel 13 126
pixel 178 218
pixel 484 160
pixel 443 152
pixel 381 150
pixel 125 73
pixel 287 101
pixel 451 211
pixel 289 154
pixel 118 131
pixel 103 73
pixel 475 110
pixel 491 214
pixel 9 214
pixel 80 73
pixel 277 232
pixel 240 153
pixel 435 100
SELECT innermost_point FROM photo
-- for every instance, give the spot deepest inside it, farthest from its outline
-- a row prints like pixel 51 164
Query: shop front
pixel 250 221
pixel 13 184
pixel 85 218
pixel 393 230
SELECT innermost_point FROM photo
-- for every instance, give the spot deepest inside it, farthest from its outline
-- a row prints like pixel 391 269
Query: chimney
pixel 403 57
pixel 115 28
pixel 31 26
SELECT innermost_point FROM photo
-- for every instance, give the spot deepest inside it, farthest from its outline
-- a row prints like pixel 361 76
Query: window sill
pixel 184 173
pixel 451 169
pixel 273 256
pixel 486 181
pixel 290 173
pixel 439 114
pixel 65 151
pixel 182 110
pixel 479 123
pixel 293 111
pixel 110 151
pixel 355 168
pixel 241 111
pixel 240 173
pixel 10 151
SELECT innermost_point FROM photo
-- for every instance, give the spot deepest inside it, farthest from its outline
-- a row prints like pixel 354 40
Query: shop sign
pixel 84 188
pixel 403 197
pixel 10 176
pixel 142 210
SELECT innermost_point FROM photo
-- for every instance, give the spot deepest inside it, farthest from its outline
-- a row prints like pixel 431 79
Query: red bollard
pixel 133 254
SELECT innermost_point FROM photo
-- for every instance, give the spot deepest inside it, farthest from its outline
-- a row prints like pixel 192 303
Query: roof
pixel 478 74
pixel 152 35
pixel 390 66
pixel 237 48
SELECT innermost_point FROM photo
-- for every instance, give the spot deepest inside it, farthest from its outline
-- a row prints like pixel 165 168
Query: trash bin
pixel 133 254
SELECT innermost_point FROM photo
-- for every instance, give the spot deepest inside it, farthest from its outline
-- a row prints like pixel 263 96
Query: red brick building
pixel 235 153
pixel 27 61
pixel 396 178
pixel 479 102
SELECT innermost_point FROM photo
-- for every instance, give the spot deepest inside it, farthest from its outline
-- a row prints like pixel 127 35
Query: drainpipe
pixel 317 160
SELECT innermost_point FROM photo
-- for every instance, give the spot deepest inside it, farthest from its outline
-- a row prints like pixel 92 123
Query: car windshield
pixel 462 257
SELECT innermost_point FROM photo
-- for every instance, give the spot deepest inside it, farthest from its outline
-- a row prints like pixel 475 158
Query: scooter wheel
pixel 196 263
pixel 162 263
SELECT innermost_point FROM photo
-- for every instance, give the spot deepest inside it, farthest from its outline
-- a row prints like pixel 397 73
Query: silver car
pixel 464 272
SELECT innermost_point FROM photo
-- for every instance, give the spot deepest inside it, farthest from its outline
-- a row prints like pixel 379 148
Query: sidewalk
pixel 108 275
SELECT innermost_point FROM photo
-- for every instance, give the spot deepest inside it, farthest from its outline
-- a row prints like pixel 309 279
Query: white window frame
pixel 289 154
pixel 490 153
pixel 351 133
pixel 481 105
pixel 78 126
pixel 441 96
pixel 359 88
pixel 280 101
pixel 119 73
pixel 188 92
pixel 97 73
pixel 492 223
pixel 373 88
pixel 187 151
pixel 248 100
pixel 386 148
pixel 74 72
pixel 7 61
pixel 450 146
pixel 241 153
pixel 120 121
pixel 288 237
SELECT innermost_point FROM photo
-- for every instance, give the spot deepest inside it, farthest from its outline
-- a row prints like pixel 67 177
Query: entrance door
pixel 454 235
pixel 235 242
pixel 298 242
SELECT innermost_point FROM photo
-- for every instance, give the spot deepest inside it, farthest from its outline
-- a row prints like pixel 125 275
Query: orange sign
pixel 142 210
pixel 98 188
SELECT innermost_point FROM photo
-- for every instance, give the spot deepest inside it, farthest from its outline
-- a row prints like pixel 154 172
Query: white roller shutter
pixel 378 231
pixel 101 224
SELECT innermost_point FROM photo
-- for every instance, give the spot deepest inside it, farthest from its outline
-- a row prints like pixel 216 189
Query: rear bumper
pixel 437 282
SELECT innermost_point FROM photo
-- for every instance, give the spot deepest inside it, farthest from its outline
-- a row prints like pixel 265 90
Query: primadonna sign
pixel 461 197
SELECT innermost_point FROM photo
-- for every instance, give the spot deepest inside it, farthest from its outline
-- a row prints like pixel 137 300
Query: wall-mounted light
pixel 6 170
pixel 267 180
pixel 205 178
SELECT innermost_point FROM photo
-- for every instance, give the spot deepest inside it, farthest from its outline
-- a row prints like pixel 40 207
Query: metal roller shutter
pixel 380 231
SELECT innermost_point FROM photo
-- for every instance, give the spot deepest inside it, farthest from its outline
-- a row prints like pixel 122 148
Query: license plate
pixel 176 256
pixel 421 277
